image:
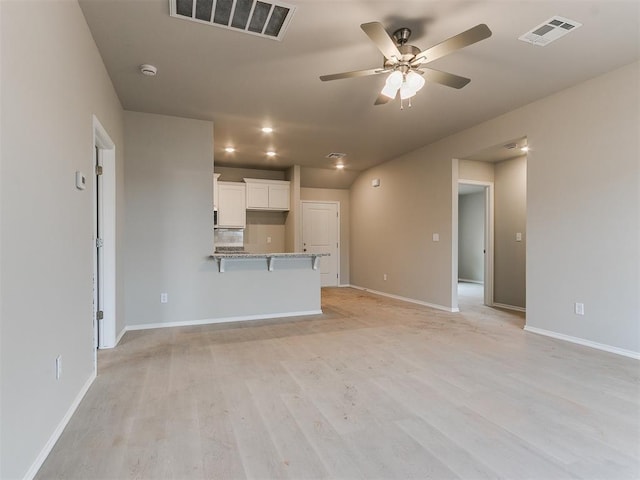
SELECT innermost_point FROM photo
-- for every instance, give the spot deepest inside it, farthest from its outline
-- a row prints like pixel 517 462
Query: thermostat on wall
pixel 81 181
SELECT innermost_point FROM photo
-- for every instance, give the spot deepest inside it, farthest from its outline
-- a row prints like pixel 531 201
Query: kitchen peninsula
pixel 222 258
pixel 254 279
pixel 268 285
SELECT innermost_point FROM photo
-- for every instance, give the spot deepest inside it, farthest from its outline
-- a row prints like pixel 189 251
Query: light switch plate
pixel 436 237
pixel 518 237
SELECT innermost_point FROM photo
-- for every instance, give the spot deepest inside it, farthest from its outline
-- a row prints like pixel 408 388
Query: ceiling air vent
pixel 336 156
pixel 551 30
pixel 265 19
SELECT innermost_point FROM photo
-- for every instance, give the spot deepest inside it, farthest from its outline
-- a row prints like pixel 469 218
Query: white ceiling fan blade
pixel 353 74
pixel 444 78
pixel 464 39
pixel 378 35
pixel 382 99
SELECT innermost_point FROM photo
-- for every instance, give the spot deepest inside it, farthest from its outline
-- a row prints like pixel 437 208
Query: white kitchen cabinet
pixel 232 210
pixel 267 194
pixel 215 190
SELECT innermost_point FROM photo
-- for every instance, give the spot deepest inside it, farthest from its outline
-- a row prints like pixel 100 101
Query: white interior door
pixel 320 234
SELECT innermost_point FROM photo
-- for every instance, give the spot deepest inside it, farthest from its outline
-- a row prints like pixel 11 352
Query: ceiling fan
pixel 405 63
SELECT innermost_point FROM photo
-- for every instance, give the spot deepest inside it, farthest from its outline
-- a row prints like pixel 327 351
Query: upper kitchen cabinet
pixel 232 212
pixel 216 196
pixel 267 194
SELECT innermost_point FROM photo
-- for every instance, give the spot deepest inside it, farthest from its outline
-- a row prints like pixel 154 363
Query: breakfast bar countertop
pixel 222 257
pixel 232 254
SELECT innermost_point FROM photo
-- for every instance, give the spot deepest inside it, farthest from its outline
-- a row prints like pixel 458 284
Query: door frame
pixel 105 330
pixel 488 238
pixel 324 202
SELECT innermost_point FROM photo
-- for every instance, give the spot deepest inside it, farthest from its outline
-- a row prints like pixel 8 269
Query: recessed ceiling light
pixel 229 149
pixel 271 153
pixel 524 148
pixel 340 166
pixel 267 129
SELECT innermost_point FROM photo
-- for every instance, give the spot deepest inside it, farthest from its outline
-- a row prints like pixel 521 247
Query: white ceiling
pixel 242 82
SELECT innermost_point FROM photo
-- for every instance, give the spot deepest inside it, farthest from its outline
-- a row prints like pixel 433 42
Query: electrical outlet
pixel 164 298
pixel 268 239
pixel 579 308
pixel 518 237
pixel 436 237
pixel 384 277
pixel 58 367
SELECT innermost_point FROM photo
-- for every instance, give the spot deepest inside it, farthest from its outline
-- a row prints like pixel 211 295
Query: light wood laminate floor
pixel 374 388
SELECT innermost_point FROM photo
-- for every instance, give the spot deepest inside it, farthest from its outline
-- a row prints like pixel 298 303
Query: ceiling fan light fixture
pixel 392 84
pixel 394 79
pixel 389 91
pixel 414 81
pixel 406 91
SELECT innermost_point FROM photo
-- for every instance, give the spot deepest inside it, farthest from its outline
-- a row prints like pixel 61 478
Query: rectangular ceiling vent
pixel 336 156
pixel 265 19
pixel 549 31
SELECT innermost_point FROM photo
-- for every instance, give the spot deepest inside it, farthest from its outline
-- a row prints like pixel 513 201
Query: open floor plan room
pixel 372 388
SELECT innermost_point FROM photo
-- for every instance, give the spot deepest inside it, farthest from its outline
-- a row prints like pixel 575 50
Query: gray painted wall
pixel 168 180
pixel 392 227
pixel 471 237
pixel 53 81
pixel 479 171
pixel 510 209
pixel 342 196
pixel 583 211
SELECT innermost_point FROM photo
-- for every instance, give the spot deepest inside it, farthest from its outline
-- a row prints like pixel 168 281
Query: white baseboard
pixel 582 341
pixel 466 280
pixel 122 332
pixel 44 453
pixel 208 321
pixel 509 307
pixel 405 299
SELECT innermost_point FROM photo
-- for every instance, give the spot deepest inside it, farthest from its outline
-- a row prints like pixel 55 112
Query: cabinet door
pixel 215 190
pixel 279 197
pixel 257 195
pixel 231 205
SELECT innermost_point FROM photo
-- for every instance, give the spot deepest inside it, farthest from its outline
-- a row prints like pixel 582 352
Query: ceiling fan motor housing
pixel 408 52
pixel 402 35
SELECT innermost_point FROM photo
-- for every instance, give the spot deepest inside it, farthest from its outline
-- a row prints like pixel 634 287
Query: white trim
pixel 468 280
pixel 405 299
pixel 582 341
pixel 44 453
pixel 509 307
pixel 120 335
pixel 208 321
pixel 102 140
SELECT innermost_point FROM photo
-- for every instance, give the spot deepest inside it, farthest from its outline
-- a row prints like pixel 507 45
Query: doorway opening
pixel 475 243
pixel 104 238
